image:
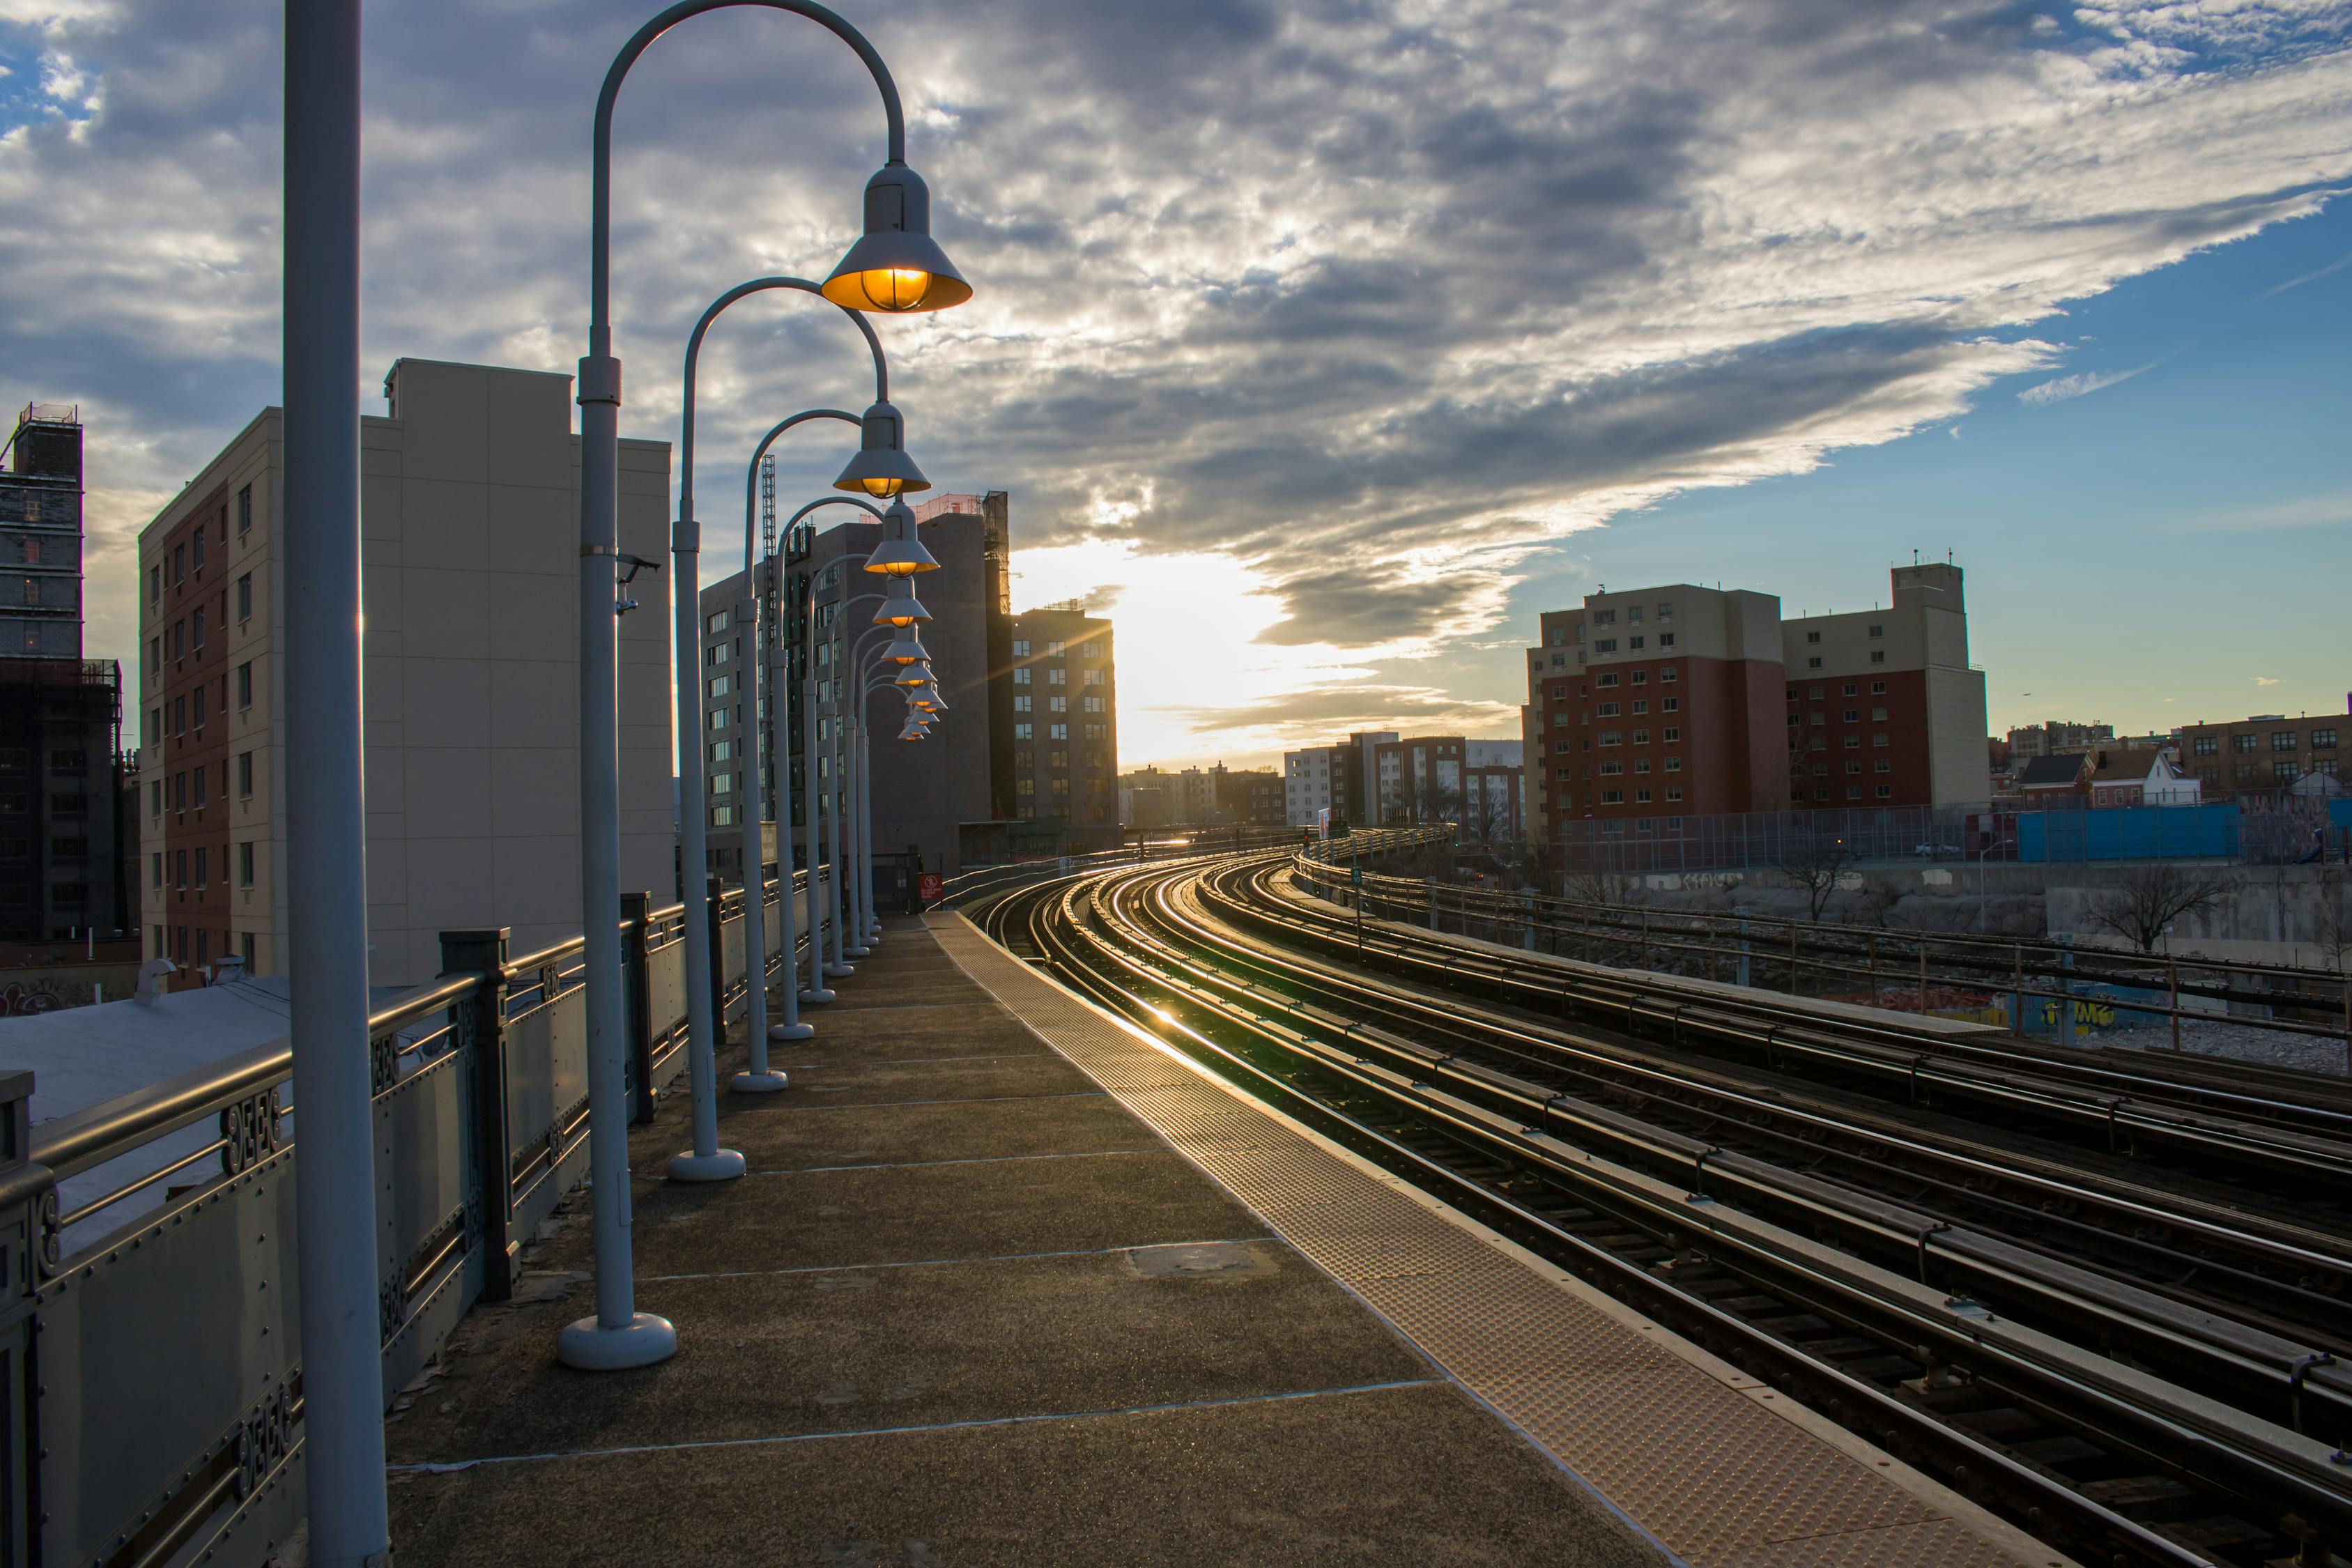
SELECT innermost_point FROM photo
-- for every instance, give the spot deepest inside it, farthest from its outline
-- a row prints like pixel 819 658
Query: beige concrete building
pixel 469 587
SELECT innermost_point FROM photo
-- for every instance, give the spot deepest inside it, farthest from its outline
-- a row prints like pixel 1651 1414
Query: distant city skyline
pixel 1421 324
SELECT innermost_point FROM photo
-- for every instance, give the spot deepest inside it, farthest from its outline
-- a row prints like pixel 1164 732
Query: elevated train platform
pixel 1010 1282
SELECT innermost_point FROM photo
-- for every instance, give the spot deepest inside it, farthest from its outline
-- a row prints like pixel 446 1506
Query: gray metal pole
pixel 866 830
pixel 758 1078
pixel 856 947
pixel 836 797
pixel 780 715
pixel 818 991
pixel 326 827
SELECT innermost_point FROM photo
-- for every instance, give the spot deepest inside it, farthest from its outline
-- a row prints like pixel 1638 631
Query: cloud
pixel 2327 509
pixel 2265 680
pixel 2313 276
pixel 1374 301
pixel 2076 385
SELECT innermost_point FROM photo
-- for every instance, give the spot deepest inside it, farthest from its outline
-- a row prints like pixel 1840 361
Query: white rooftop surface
pixel 82 1057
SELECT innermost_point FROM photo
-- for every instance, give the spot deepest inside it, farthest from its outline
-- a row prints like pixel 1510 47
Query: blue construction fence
pixel 2130 833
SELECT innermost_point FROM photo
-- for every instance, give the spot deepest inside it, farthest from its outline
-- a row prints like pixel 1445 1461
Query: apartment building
pixel 1249 795
pixel 2058 738
pixel 1493 788
pixel 2267 751
pixel 1656 702
pixel 1060 690
pixel 1883 708
pixel 61 825
pixel 470 585
pixel 1342 778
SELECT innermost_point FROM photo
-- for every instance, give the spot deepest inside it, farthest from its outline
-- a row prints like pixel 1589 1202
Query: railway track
pixel 2116 1357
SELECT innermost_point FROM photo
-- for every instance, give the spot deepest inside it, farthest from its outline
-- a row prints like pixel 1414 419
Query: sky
pixel 1325 344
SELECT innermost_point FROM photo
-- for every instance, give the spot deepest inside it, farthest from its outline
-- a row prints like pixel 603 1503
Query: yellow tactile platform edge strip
pixel 1718 1468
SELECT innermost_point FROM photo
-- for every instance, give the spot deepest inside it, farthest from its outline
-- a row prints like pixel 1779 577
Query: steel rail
pixel 2060 1511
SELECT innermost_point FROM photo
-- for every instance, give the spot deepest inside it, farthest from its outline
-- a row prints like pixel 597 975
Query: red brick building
pixel 1882 706
pixel 1660 702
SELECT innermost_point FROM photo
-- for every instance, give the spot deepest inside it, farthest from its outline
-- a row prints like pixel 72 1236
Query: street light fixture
pixel 706 1160
pixel 896 266
pixel 900 553
pixel 882 466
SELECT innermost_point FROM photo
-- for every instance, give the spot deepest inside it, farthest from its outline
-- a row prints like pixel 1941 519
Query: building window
pixel 197 548
pixel 1641 677
pixel 244 776
pixel 197 779
pixel 1020 703
pixel 1853 768
pixel 1605 645
pixel 1640 764
pixel 2285 772
pixel 1879 738
pixel 1607 710
pixel 1812 637
pixel 1604 617
pixel 1093 678
pixel 1879 631
pixel 1025 786
pixel 1670 734
pixel 202 875
pixel 1673 765
pixel 1053 649
pixel 722 816
pixel 2282 740
pixel 1057 732
pixel 1608 737
pixel 720 684
pixel 1671 705
pixel 1665 639
pixel 1886 792
pixel 200 694
pixel 245 685
pixel 245 864
pixel 1878 688
pixel 1853 715
pixel 1878 656
pixel 1090 649
pixel 2205 745
pixel 243 512
pixel 1021 731
pixel 1056 677
pixel 721 717
pixel 1021 648
pixel 199 619
pixel 1610 770
pixel 717 653
pixel 1020 678
pixel 1641 737
pixel 1882 766
pixel 1814 662
pixel 1878 715
pixel 1854 742
pixel 2243 744
pixel 155 869
pixel 1609 679
pixel 1057 758
pixel 722 751
pixel 724 783
pixel 1633 642
pixel 716 621
pixel 1612 798
pixel 1057 705
pixel 245 597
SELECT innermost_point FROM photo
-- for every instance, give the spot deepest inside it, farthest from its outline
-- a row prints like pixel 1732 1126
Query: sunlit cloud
pixel 1304 335
pixel 2082 384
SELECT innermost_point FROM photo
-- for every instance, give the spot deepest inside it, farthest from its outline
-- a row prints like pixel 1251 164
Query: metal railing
pixel 2030 986
pixel 149 1358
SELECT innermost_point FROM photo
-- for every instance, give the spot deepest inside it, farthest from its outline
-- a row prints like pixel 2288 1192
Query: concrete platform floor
pixel 965 1309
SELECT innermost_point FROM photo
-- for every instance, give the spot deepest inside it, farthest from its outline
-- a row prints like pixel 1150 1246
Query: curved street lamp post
pixel 894 266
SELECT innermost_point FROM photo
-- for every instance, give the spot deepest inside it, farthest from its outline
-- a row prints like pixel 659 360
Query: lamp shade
pixel 899 607
pixel 896 265
pixel 906 647
pixel 916 674
pixel 900 553
pixel 882 466
pixel 926 697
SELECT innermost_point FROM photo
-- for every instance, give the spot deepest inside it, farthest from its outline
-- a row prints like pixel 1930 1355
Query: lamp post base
pixel 792 1031
pixel 817 998
pixel 757 1082
pixel 590 1346
pixel 720 1165
pixel 855 951
pixel 840 969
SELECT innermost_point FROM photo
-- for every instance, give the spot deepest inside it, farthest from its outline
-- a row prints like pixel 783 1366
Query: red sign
pixel 931 887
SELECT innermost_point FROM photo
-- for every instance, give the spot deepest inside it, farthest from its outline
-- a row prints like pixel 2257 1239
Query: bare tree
pixel 1814 863
pixel 2149 898
pixel 1610 887
pixel 2335 923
